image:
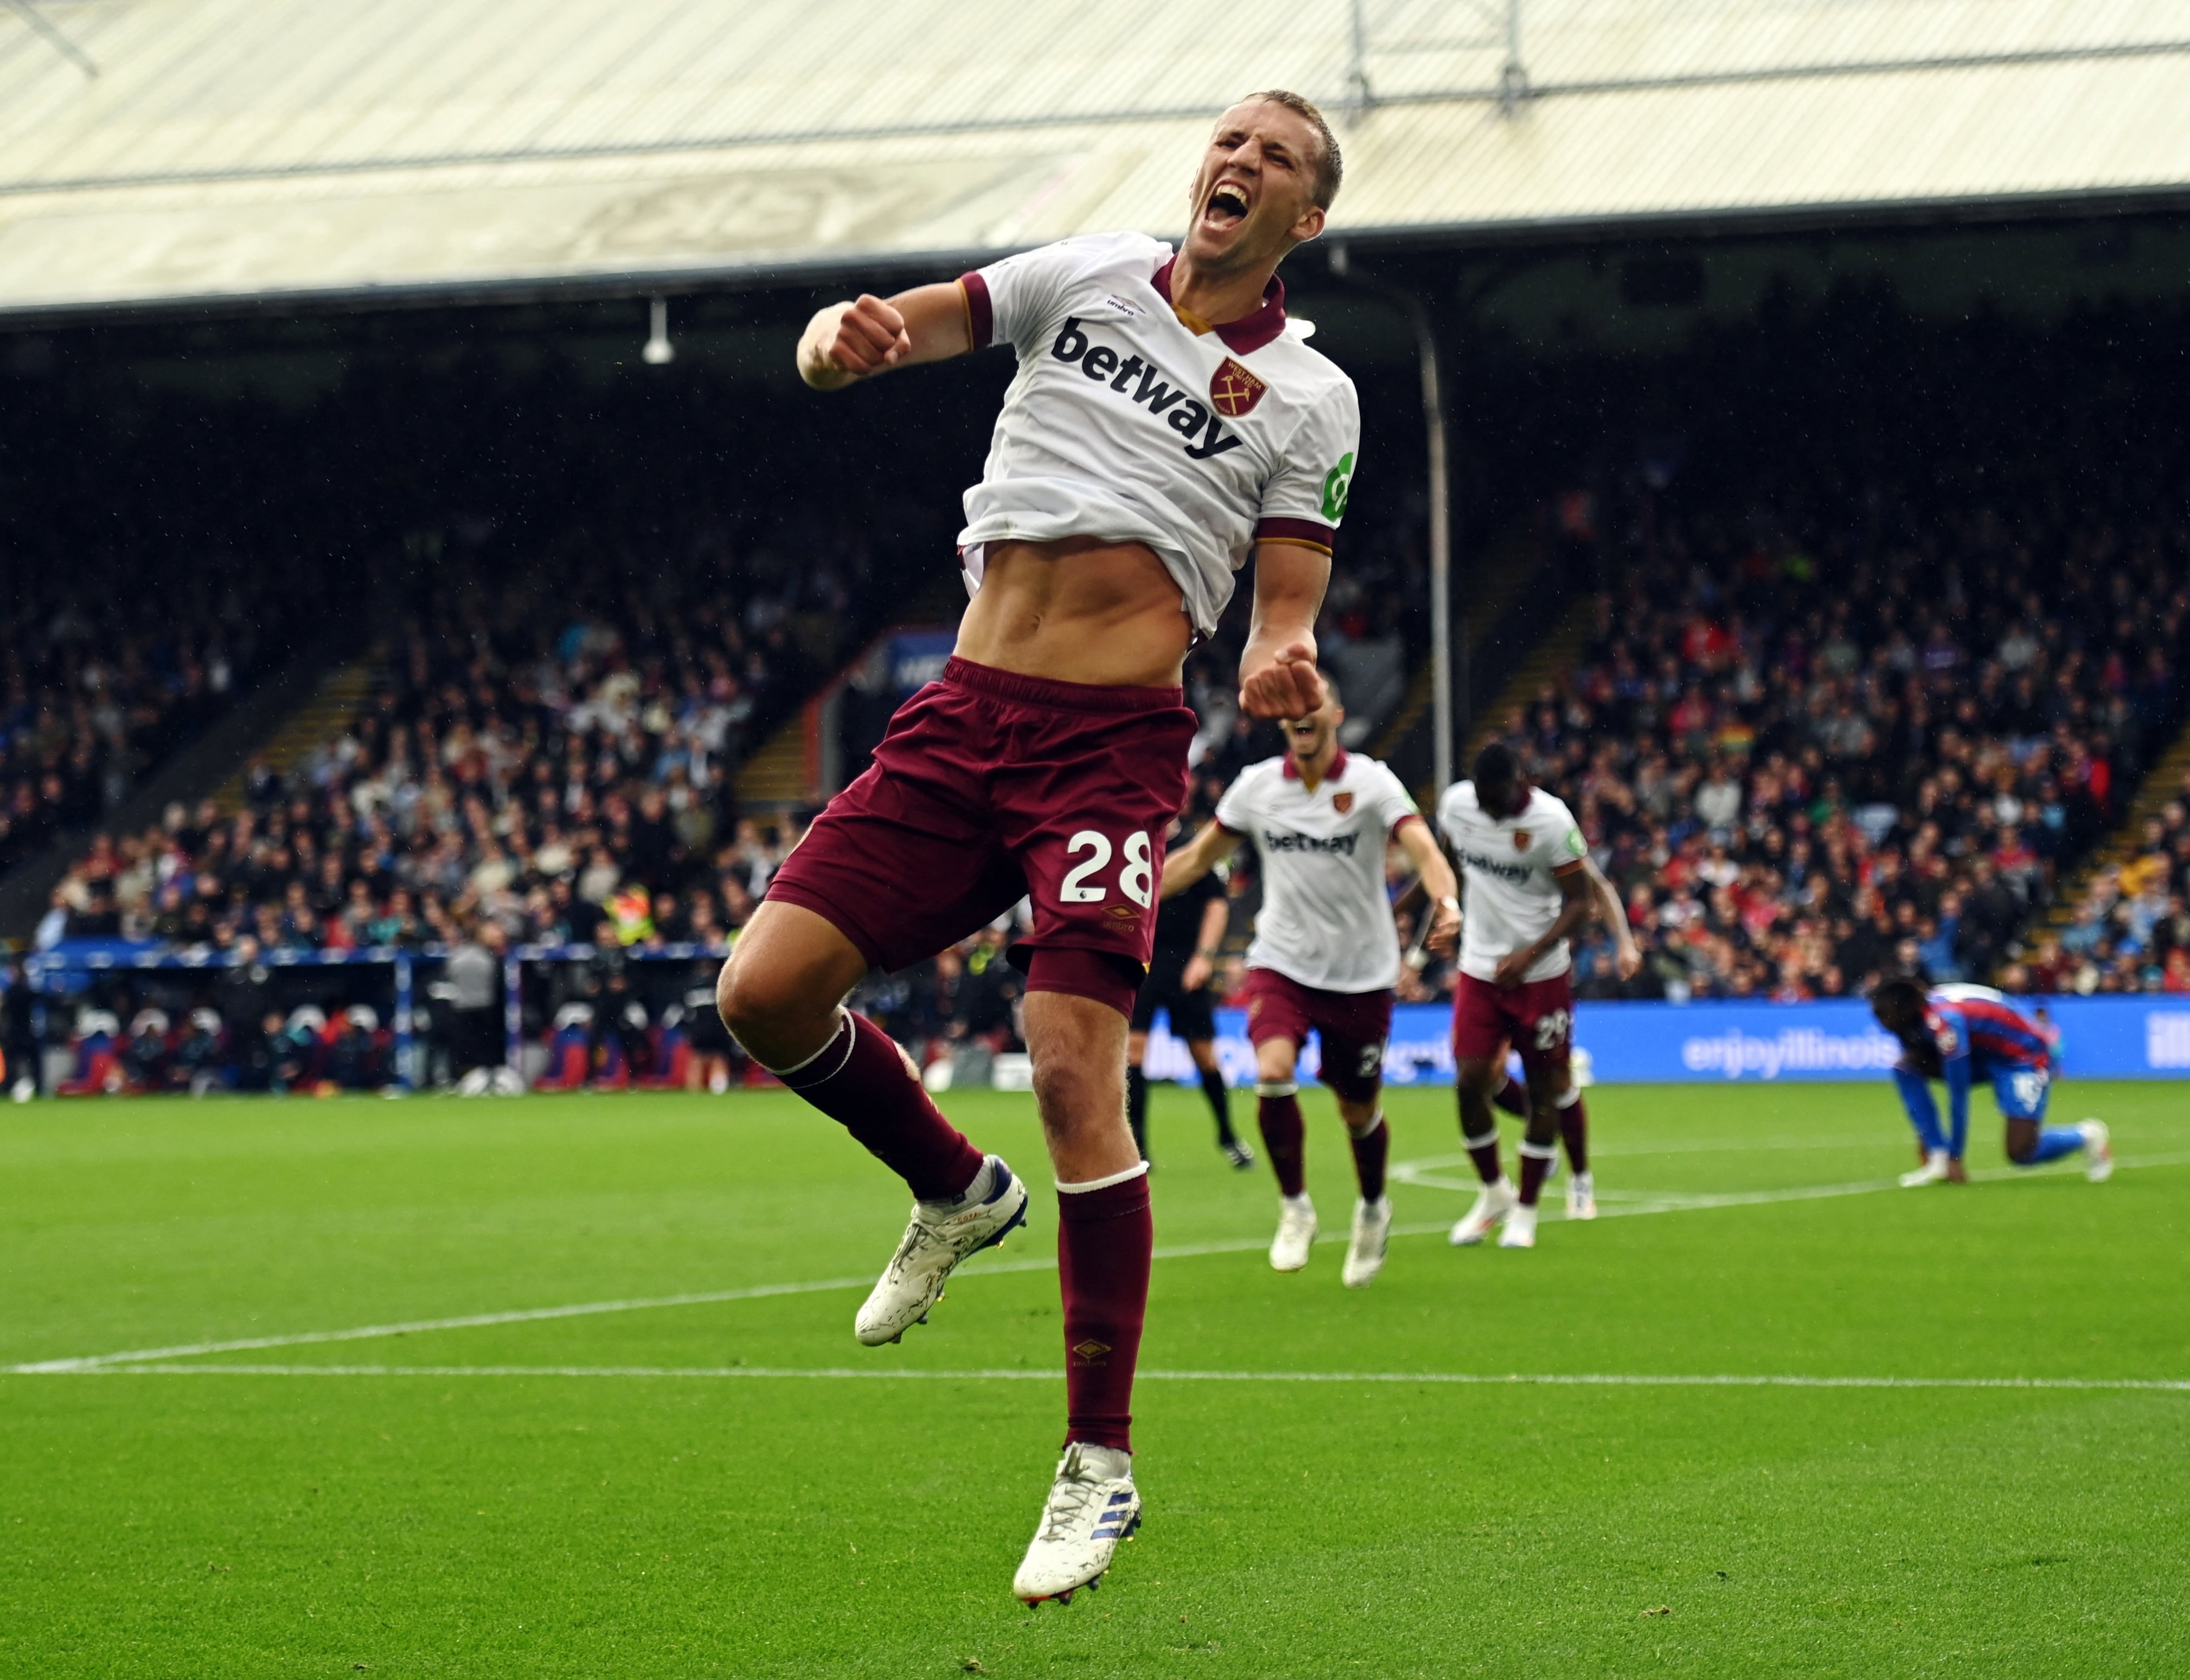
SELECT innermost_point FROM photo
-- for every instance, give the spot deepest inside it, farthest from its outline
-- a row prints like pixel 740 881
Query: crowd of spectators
pixel 2130 931
pixel 97 686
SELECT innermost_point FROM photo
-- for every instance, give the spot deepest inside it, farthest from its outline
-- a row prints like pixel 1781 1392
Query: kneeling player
pixel 1523 858
pixel 1325 954
pixel 1960 1034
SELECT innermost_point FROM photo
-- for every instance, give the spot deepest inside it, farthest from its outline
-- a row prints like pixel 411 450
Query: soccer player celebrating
pixel 1523 860
pixel 1960 1034
pixel 1189 926
pixel 1325 954
pixel 1162 424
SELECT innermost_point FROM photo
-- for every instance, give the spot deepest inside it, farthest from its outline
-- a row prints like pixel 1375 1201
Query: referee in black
pixel 1189 929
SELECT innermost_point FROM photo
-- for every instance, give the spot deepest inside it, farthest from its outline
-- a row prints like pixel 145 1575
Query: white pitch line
pixel 1405 1172
pixel 884 1374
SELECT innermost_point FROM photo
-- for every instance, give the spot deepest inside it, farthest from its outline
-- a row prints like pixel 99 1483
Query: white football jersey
pixel 1124 423
pixel 1326 920
pixel 1511 865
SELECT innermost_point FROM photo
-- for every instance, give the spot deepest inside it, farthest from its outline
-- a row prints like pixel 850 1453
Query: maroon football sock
pixel 1371 1149
pixel 1574 1133
pixel 863 1082
pixel 1483 1152
pixel 1535 1163
pixel 1277 1111
pixel 1106 1237
pixel 1512 1096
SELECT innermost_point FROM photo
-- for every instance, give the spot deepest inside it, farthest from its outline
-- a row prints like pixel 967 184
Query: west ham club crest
pixel 1233 390
pixel 1341 803
pixel 1520 839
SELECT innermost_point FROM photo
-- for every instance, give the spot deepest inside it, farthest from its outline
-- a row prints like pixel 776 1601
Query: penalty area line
pixel 848 1373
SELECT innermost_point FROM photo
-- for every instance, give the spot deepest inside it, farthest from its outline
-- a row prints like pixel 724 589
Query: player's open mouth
pixel 1227 207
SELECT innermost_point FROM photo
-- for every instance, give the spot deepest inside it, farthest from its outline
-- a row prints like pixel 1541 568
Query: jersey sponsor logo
pixel 1520 839
pixel 1341 803
pixel 1497 867
pixel 1338 845
pixel 1234 390
pixel 1151 388
pixel 1336 483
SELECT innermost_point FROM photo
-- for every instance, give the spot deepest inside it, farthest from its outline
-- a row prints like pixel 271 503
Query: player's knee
pixel 2022 1146
pixel 756 1003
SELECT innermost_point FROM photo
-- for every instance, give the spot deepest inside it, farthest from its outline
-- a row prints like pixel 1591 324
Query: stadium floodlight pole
pixel 1440 500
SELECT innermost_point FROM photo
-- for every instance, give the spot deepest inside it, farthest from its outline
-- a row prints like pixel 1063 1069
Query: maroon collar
pixel 1249 332
pixel 1337 766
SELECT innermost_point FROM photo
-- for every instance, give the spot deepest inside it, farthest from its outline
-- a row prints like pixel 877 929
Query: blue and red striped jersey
pixel 1982 1024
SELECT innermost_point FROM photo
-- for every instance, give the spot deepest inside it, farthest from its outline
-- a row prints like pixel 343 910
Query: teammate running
pixel 1325 954
pixel 1961 1033
pixel 1524 863
pixel 1189 926
pixel 1162 424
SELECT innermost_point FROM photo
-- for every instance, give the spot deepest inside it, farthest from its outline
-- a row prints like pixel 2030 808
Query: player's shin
pixel 1536 1160
pixel 2053 1143
pixel 860 1079
pixel 1478 1135
pixel 1372 1148
pixel 1220 1101
pixel 1277 1112
pixel 1573 1128
pixel 1105 1238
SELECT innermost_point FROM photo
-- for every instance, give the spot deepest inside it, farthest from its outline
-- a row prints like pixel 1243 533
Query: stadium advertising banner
pixel 1749 1043
pixel 917 658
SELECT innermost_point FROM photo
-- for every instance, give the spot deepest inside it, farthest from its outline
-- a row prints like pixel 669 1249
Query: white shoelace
pixel 1069 1501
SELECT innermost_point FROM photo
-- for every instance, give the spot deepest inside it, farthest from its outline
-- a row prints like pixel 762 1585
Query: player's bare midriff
pixel 1078 610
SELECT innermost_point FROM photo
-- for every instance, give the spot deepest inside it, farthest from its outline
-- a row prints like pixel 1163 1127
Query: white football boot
pixel 1491 1204
pixel 1296 1233
pixel 1520 1230
pixel 1581 1196
pixel 1092 1506
pixel 1933 1172
pixel 1364 1255
pixel 934 1243
pixel 2098 1151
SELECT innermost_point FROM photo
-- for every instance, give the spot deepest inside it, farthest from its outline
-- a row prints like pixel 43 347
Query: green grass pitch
pixel 684 1490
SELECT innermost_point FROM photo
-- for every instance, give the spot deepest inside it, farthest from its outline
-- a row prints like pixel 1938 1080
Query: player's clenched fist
pixel 1283 683
pixel 850 341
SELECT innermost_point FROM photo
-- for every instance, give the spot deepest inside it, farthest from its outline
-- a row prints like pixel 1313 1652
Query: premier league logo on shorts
pixel 1233 390
pixel 1520 839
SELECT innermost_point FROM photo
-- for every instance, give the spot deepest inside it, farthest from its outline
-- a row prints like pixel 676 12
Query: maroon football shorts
pixel 990 787
pixel 1351 1027
pixel 1537 1020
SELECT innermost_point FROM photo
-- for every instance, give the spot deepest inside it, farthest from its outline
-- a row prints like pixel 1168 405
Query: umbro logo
pixel 1090 1350
pixel 1151 388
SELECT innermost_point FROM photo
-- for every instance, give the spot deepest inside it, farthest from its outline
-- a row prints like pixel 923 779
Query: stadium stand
pixel 1861 690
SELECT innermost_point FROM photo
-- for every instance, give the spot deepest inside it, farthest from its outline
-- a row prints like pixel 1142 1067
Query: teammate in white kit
pixel 1529 886
pixel 1325 954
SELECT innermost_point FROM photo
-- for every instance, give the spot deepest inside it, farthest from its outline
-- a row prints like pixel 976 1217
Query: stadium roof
pixel 157 151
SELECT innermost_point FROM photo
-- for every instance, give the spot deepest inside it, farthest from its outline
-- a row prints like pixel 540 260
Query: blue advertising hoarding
pixel 1748 1043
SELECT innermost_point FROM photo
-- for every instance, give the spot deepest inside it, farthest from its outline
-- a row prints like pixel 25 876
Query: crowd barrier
pixel 2138 1037
pixel 2142 1037
pixel 69 966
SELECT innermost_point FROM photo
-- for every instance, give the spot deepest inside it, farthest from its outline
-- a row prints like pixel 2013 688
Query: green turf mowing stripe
pixel 1408 1172
pixel 852 1373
